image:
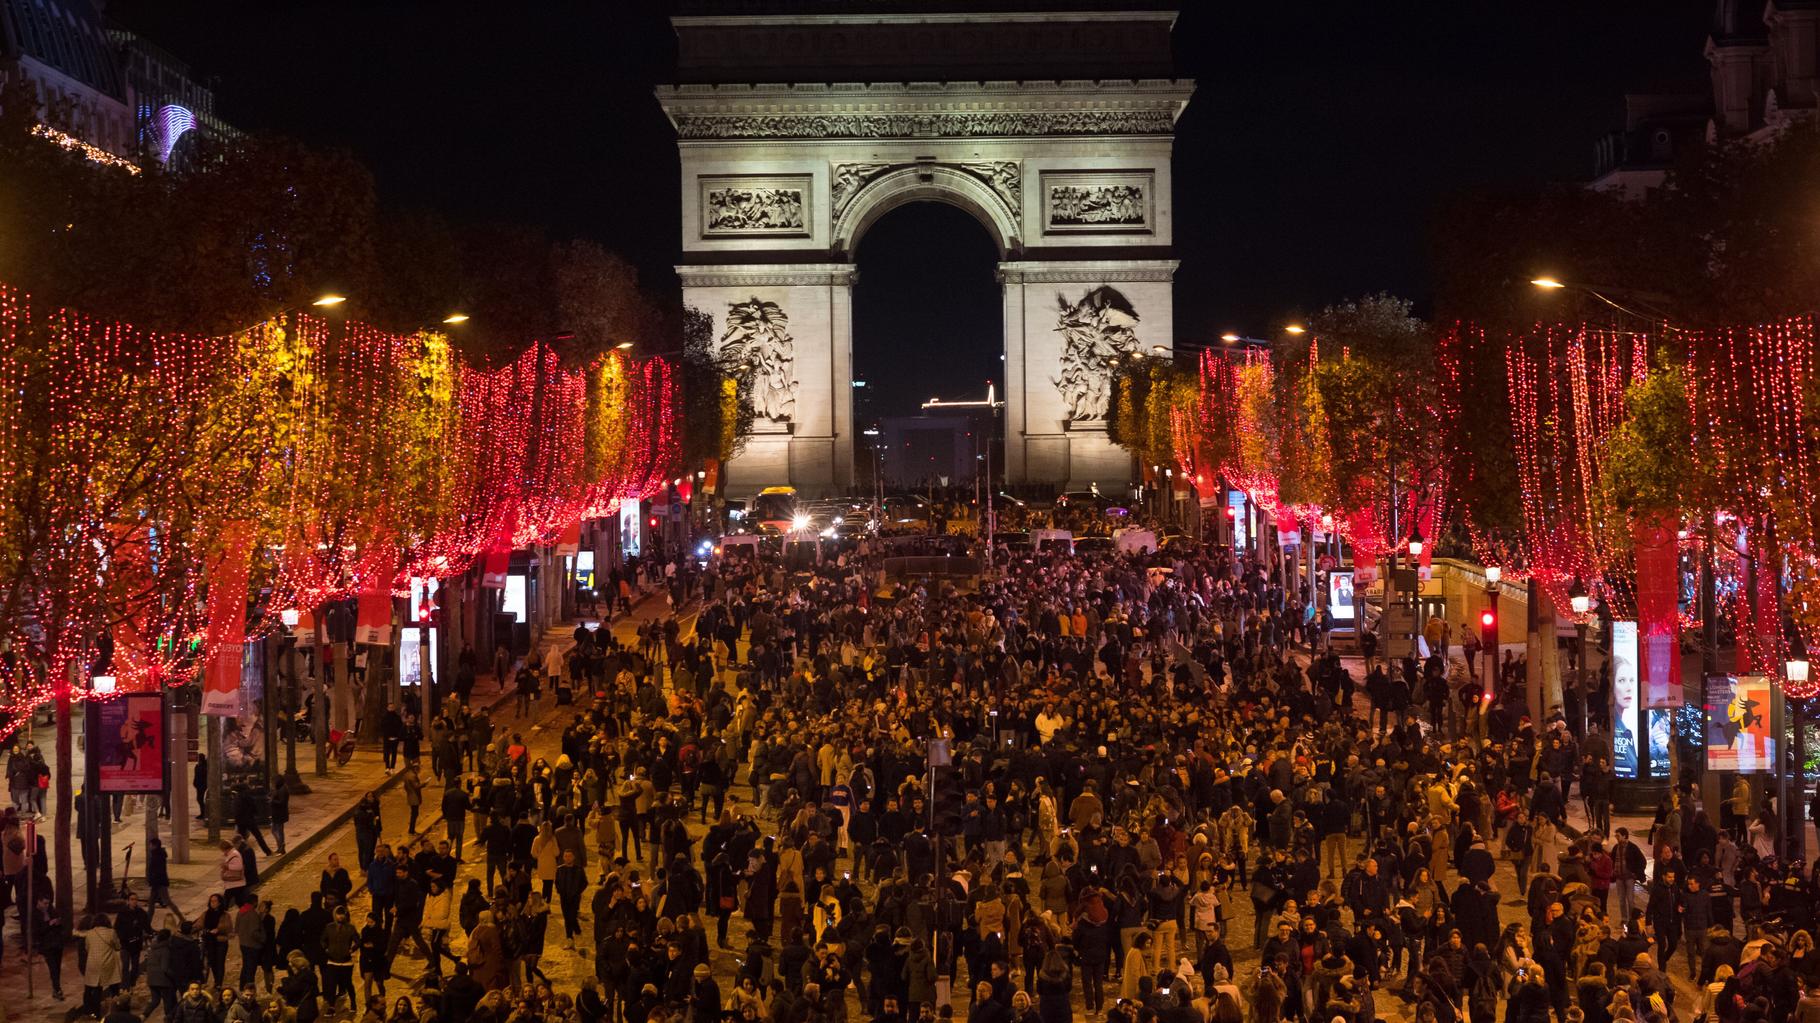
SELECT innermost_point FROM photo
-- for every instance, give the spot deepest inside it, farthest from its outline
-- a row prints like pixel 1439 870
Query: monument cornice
pixel 778 275
pixel 1112 271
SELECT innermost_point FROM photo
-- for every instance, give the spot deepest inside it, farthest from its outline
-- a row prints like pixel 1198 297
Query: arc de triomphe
pixel 801 123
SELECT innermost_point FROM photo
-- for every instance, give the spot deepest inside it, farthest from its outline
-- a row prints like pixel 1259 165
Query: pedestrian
pixel 101 972
pixel 413 793
pixel 279 807
pixel 246 817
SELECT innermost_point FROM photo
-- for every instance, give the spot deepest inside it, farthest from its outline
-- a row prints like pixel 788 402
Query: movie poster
pixel 1339 596
pixel 1624 699
pixel 1661 731
pixel 129 740
pixel 1738 733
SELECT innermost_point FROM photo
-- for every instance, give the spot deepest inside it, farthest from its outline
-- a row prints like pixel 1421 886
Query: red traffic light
pixel 655 521
pixel 1487 619
pixel 1231 512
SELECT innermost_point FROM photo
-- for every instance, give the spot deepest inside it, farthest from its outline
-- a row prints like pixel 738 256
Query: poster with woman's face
pixel 1624 699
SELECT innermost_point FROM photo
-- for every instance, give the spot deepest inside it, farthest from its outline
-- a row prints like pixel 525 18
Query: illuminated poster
pixel 1738 733
pixel 584 569
pixel 1624 699
pixel 514 603
pixel 129 736
pixel 1661 721
pixel 629 523
pixel 1241 535
pixel 1339 596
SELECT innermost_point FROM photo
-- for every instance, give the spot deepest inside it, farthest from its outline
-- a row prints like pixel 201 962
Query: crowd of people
pixel 1092 786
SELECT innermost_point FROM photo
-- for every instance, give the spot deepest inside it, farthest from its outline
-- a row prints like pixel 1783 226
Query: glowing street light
pixel 455 318
pixel 1229 337
pixel 1295 328
pixel 1578 597
pixel 103 685
pixel 329 300
pixel 1548 283
pixel 1795 670
pixel 623 346
pixel 1493 574
pixel 1416 543
pixel 289 616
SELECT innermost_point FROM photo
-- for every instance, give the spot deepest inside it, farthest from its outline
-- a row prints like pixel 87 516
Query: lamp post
pixel 1793 828
pixel 288 655
pixel 1488 643
pixel 1582 603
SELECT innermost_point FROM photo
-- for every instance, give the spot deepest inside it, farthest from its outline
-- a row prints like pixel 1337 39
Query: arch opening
pixel 928 323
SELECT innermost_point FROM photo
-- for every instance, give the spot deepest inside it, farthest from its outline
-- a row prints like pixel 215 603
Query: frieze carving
pixel 755 209
pixel 741 206
pixel 976 124
pixel 1098 202
pixel 1097 206
pixel 1097 332
pixel 757 350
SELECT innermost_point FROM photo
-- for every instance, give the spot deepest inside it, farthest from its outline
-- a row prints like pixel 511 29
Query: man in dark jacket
pixel 246 817
pixel 461 994
pixel 133 925
pixel 158 976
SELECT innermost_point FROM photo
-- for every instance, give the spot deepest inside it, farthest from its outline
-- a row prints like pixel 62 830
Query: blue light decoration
pixel 173 122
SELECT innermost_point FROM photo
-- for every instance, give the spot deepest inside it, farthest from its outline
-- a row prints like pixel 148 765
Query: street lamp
pixel 454 318
pixel 103 685
pixel 1578 597
pixel 1493 575
pixel 1416 543
pixel 1582 603
pixel 1229 337
pixel 328 300
pixel 293 781
pixel 1295 328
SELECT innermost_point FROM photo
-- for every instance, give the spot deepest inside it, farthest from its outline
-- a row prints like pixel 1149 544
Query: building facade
pixel 1763 62
pixel 102 89
pixel 801 124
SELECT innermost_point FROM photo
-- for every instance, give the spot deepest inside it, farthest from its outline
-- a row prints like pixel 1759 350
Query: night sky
pixel 1321 140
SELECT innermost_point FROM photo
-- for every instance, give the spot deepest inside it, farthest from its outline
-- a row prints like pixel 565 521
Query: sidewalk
pixel 316 817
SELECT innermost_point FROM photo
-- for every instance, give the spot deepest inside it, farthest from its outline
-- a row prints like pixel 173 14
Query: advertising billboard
pixel 1661 730
pixel 1339 596
pixel 1241 529
pixel 129 737
pixel 1624 716
pixel 1738 733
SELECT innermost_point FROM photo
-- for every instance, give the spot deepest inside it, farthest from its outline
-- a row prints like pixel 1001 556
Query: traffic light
pixel 1487 619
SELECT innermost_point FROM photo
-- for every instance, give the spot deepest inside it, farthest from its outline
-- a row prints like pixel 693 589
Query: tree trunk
pixel 319 710
pixel 66 803
pixel 217 769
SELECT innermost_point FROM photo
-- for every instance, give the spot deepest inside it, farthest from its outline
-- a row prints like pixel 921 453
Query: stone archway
pixel 781 181
pixel 863 193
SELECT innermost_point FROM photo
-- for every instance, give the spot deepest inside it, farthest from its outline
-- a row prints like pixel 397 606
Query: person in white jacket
pixel 438 911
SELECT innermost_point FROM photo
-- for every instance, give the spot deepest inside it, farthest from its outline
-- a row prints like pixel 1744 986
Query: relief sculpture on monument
pixel 1097 332
pixel 757 350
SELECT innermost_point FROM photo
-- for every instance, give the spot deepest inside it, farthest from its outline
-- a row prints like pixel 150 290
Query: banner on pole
pixel 498 564
pixel 569 543
pixel 1656 540
pixel 373 611
pixel 227 622
pixel 129 743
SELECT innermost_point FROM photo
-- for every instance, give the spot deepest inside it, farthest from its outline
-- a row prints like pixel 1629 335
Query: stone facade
pixel 781 181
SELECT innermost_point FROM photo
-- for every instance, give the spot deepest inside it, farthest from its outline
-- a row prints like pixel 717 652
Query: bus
pixel 774 507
